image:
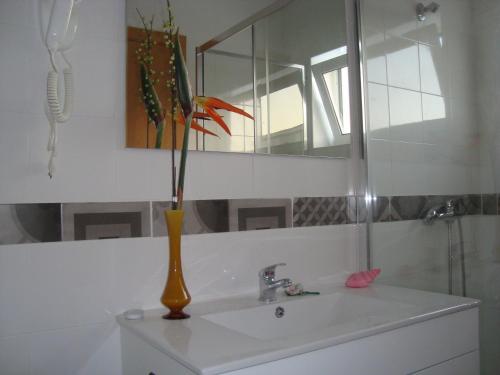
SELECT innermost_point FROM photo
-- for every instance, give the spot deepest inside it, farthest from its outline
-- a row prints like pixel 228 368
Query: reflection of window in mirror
pixel 337 83
pixel 330 102
pixel 287 112
pixel 282 114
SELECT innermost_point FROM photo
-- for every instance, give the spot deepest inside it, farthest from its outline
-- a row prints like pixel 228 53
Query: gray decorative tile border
pixel 51 222
pixel 415 207
pixel 316 211
pixel 226 215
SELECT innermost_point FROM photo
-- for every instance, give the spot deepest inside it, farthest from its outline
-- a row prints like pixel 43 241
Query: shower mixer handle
pixel 422 10
pixel 448 211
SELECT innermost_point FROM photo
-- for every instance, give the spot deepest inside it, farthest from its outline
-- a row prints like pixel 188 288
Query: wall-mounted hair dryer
pixel 59 37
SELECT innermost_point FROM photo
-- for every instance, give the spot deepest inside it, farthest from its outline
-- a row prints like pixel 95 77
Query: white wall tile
pixel 14 151
pixel 14 12
pixel 84 162
pixel 434 108
pixel 399 17
pixel 95 61
pixel 63 352
pixel 376 63
pixel 434 74
pixel 15 356
pixel 380 167
pixel 408 169
pixel 102 19
pixel 402 63
pixel 299 176
pixel 14 41
pixel 14 286
pixel 84 296
pixel 411 254
pixel 405 110
pixel 378 110
pixel 219 175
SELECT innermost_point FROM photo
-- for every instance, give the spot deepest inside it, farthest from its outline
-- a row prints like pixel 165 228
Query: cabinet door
pixel 467 364
pixel 140 358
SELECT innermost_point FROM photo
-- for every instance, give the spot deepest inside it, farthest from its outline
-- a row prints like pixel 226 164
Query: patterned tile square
pixel 381 209
pixel 201 216
pixel 315 211
pixel 258 214
pixel 352 207
pixel 407 207
pixel 25 223
pixel 490 204
pixel 471 204
pixel 91 221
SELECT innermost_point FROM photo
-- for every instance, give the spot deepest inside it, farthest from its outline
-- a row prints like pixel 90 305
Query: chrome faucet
pixel 447 212
pixel 268 285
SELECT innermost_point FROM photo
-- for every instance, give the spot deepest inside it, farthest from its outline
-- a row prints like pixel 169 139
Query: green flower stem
pixel 159 133
pixel 184 152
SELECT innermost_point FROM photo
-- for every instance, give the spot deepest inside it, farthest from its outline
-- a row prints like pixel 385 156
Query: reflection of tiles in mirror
pixel 25 223
pixel 90 221
pixel 316 211
pixel 258 214
pixel 201 216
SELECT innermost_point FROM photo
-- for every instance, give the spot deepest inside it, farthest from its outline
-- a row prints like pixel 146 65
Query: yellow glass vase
pixel 175 295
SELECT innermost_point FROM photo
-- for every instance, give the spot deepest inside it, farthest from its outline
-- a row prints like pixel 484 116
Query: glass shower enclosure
pixel 432 105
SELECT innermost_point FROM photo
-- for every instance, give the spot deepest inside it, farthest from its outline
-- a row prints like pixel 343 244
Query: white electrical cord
pixel 56 114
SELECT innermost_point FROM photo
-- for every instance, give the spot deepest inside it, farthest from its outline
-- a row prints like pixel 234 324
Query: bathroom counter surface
pixel 205 347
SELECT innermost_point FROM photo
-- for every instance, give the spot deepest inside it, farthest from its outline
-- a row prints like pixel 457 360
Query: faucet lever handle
pixel 269 271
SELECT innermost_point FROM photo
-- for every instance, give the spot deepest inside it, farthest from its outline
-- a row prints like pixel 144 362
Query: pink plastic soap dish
pixel 362 279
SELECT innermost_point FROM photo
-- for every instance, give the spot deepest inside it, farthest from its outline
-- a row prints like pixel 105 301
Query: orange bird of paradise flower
pixel 210 105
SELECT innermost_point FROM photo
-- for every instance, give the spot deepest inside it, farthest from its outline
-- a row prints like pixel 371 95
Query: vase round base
pixel 176 315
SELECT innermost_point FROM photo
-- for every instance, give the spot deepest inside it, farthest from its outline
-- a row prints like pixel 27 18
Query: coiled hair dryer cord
pixel 56 112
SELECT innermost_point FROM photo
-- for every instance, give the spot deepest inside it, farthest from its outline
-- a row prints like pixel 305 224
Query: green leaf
pixel 150 98
pixel 185 93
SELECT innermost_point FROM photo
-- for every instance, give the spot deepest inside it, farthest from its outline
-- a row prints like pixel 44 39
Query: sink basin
pixel 309 315
pixel 240 332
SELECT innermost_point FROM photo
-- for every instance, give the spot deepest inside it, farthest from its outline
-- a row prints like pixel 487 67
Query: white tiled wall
pixel 486 282
pixel 58 300
pixel 486 15
pixel 422 129
pixel 421 102
pixel 449 65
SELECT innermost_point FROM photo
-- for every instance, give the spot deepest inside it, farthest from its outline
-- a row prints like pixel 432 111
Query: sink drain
pixel 280 311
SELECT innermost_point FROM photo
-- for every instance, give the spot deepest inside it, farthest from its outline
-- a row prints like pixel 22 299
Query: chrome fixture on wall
pixel 446 212
pixel 422 10
pixel 449 213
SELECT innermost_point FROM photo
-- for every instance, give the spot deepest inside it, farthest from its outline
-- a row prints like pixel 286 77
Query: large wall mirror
pixel 286 65
pixel 282 61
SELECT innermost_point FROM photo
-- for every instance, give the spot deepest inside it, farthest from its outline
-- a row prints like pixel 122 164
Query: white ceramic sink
pixel 238 332
pixel 309 315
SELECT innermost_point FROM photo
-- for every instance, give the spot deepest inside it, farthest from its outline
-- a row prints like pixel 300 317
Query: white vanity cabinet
pixel 431 342
pixel 441 346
